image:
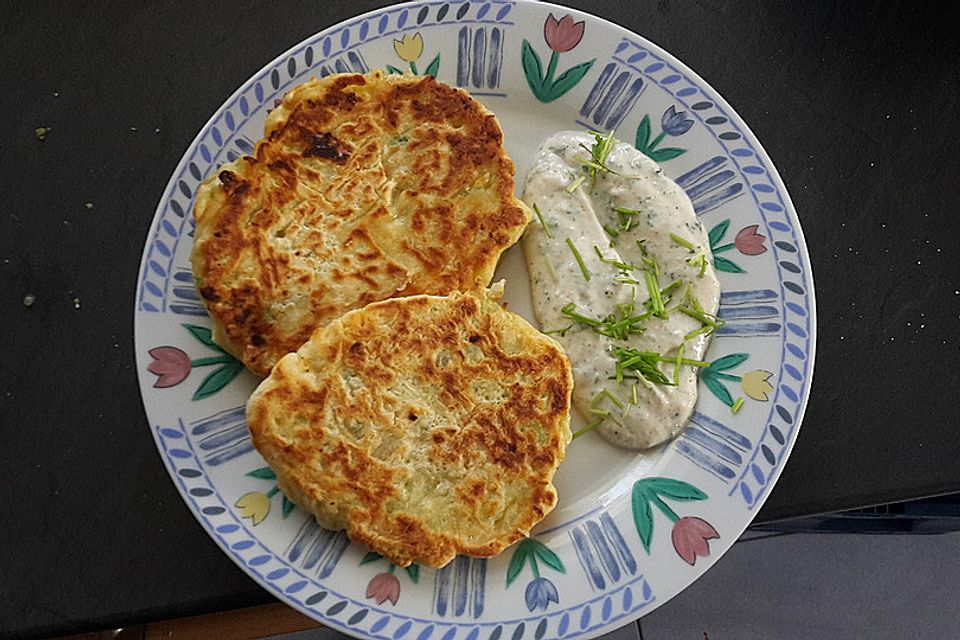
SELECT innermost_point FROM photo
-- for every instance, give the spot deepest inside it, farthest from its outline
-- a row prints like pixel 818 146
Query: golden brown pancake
pixel 365 187
pixel 425 426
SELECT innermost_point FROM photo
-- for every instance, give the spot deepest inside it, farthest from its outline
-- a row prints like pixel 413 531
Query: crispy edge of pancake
pixel 405 540
pixel 238 313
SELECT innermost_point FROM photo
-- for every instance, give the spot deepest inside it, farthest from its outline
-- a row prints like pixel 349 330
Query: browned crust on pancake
pixel 365 187
pixel 425 426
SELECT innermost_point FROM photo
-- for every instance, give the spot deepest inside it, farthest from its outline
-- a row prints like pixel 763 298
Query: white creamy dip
pixel 673 247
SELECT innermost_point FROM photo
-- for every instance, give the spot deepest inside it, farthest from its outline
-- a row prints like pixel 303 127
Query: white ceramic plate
pixel 631 530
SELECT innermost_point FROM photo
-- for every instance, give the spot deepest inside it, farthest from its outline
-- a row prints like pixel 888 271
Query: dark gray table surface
pixel 857 104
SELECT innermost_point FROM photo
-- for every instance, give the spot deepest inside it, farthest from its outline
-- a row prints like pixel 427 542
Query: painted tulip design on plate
pixel 690 538
pixel 172 365
pixel 255 505
pixel 673 123
pixel 561 36
pixel 690 535
pixel 409 49
pixel 747 241
pixel 385 586
pixel 753 383
pixel 540 591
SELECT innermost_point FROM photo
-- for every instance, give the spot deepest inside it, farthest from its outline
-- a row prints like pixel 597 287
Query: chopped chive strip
pixel 611 326
pixel 598 252
pixel 579 259
pixel 677 363
pixel 644 363
pixel 704 318
pixel 696 332
pixel 633 394
pixel 696 311
pixel 653 288
pixel 701 261
pixel 625 280
pixel 561 332
pixel 587 429
pixel 569 311
pixel 687 361
pixel 667 290
pixel 598 156
pixel 612 232
pixel 543 224
pixel 626 217
pixel 599 412
pixel 735 407
pixel 623 266
pixel 683 242
pixel 576 184
pixel 606 394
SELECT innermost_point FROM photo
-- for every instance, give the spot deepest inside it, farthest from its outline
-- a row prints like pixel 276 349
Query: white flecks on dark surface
pixel 29 299
pixel 76 302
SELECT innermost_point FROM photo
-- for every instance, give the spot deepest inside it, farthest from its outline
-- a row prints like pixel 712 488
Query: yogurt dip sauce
pixel 633 413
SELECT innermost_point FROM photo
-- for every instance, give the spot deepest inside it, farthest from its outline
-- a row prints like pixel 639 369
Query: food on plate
pixel 622 275
pixel 364 187
pixel 425 426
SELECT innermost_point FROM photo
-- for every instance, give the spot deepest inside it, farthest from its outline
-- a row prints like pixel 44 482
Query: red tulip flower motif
pixel 749 242
pixel 564 34
pixel 561 36
pixel 690 536
pixel 383 587
pixel 689 533
pixel 170 365
pixel 386 586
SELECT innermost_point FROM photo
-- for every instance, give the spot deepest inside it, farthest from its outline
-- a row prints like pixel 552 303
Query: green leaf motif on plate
pixel 718 232
pixel 263 473
pixel 217 380
pixel 727 266
pixel 287 507
pixel 413 571
pixel 650 492
pixel 728 361
pixel 432 70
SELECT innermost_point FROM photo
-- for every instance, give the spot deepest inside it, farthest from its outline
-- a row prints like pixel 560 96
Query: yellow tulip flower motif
pixel 409 48
pixel 254 505
pixel 755 385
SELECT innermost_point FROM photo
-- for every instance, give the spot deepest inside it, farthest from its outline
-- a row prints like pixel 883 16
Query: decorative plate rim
pixel 285 583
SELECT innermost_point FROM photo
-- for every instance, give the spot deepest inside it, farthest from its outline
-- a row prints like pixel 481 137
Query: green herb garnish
pixel 653 289
pixel 598 156
pixel 643 363
pixel 618 328
pixel 543 224
pixel 695 310
pixel 683 242
pixel 579 259
pixel 646 365
pixel 626 217
pixel 699 260
pixel 576 184
pixel 560 332
pixel 588 428
pixel 570 311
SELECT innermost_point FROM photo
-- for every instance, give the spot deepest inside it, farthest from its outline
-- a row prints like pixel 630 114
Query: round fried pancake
pixel 364 187
pixel 425 426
